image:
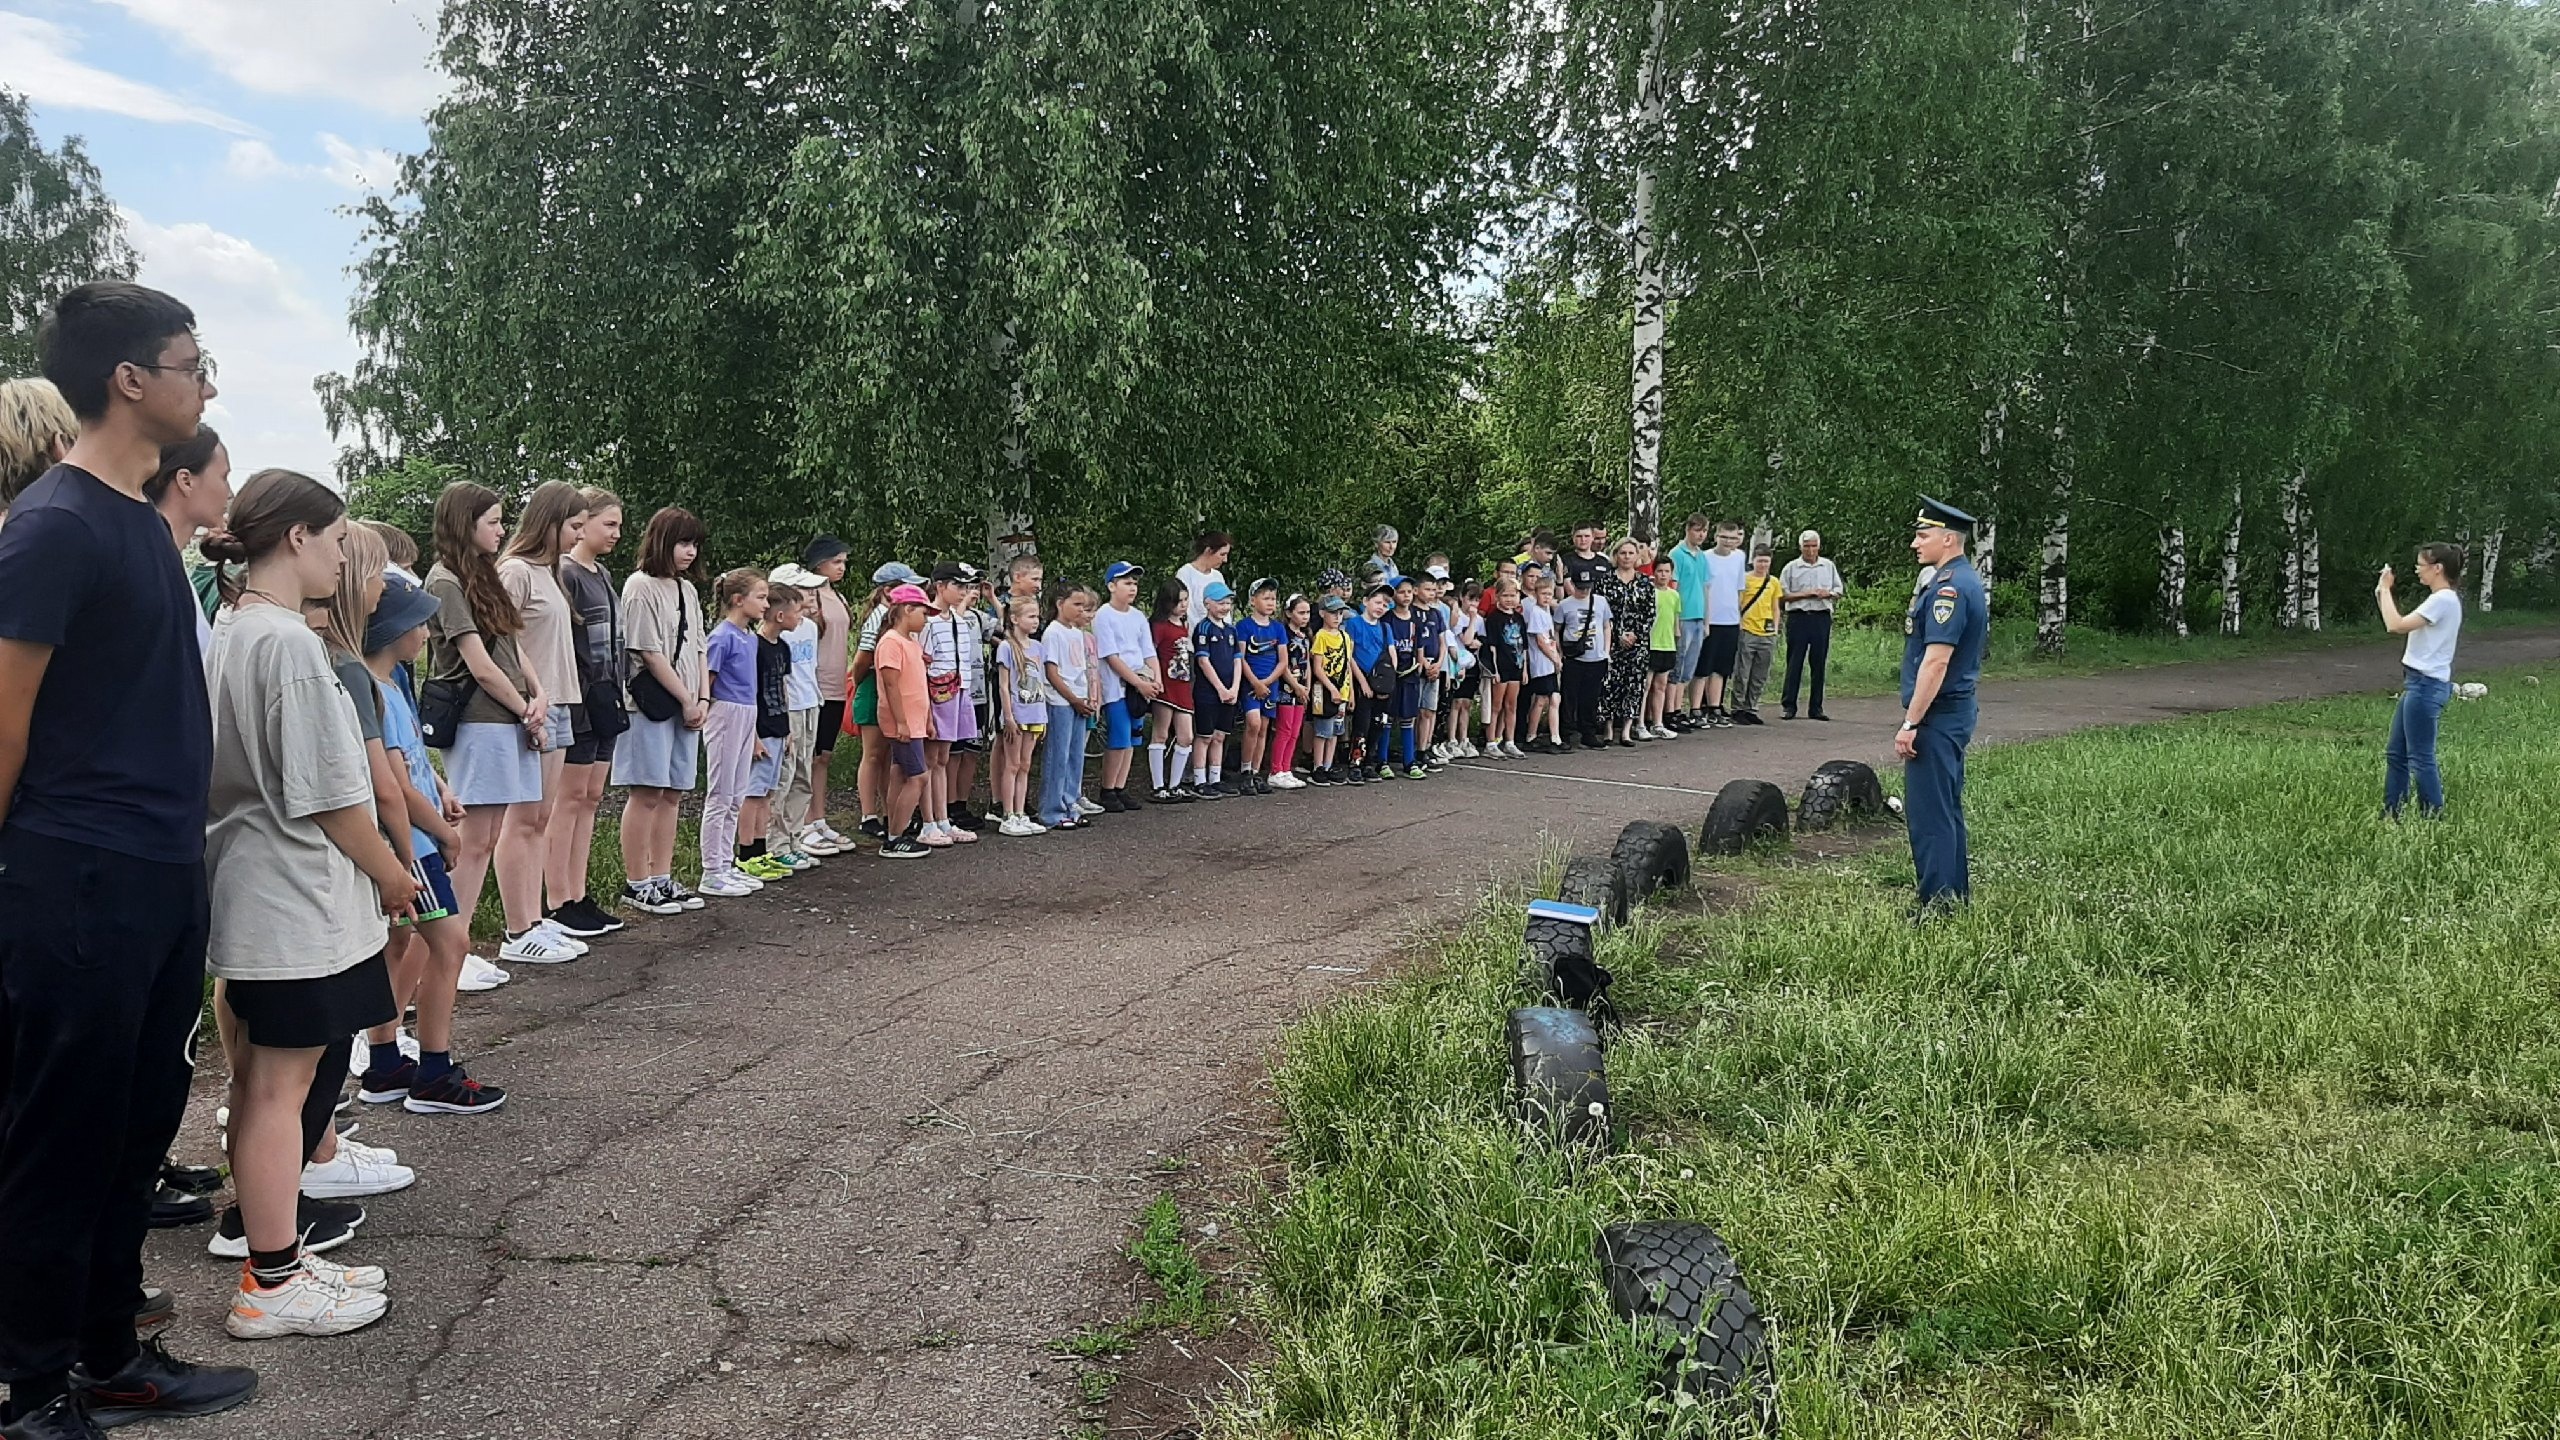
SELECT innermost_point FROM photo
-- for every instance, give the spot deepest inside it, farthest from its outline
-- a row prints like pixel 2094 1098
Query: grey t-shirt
pixel 287 904
pixel 1803 574
pixel 358 683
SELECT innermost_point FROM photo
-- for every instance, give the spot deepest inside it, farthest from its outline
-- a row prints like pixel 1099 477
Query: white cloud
pixel 269 337
pixel 347 166
pixel 37 60
pixel 375 53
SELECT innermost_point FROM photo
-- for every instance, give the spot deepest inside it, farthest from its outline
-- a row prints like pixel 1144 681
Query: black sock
pixel 751 852
pixel 274 1267
pixel 32 1394
pixel 385 1058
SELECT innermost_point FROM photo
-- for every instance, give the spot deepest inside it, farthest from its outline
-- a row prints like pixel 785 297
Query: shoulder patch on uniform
pixel 1943 611
pixel 1947 590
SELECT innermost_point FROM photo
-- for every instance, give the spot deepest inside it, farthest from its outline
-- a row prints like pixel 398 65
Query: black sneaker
pixel 1818 715
pixel 1178 795
pixel 595 914
pixel 967 819
pixel 651 899
pixel 874 826
pixel 156 1310
pixel 66 1418
pixel 156 1385
pixel 326 1225
pixel 1203 790
pixel 904 848
pixel 1130 799
pixel 1748 717
pixel 453 1093
pixel 194 1179
pixel 387 1087
pixel 568 919
pixel 174 1209
pixel 1111 802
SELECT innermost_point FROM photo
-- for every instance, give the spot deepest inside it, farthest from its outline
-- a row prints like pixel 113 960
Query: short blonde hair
pixel 34 418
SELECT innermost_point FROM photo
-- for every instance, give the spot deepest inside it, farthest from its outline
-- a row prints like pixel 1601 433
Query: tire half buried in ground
pixel 1596 881
pixel 1839 790
pixel 1651 855
pixel 1744 811
pixel 1678 1277
pixel 1559 1081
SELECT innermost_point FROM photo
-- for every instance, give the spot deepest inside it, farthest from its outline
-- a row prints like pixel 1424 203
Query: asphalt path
pixel 845 1158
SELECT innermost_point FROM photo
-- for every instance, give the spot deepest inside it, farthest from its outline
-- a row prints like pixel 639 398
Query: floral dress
pixel 1630 640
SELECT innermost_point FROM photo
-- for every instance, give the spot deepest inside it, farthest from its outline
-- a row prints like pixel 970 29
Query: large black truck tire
pixel 1651 855
pixel 1678 1276
pixel 1596 881
pixel 1744 811
pixel 1839 790
pixel 1559 1079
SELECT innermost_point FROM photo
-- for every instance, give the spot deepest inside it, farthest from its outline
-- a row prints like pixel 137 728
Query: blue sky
pixel 235 134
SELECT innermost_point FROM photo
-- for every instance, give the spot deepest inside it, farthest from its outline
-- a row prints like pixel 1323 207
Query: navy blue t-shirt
pixel 1399 630
pixel 1428 627
pixel 1213 653
pixel 120 744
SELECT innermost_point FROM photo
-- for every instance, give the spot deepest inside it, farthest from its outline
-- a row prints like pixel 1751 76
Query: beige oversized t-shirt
pixel 549 640
pixel 287 903
pixel 653 610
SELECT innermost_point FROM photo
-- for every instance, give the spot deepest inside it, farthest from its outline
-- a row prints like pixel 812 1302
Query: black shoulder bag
pixel 653 700
pixel 441 704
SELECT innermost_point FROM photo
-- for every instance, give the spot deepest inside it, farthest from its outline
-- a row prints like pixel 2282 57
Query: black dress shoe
pixel 1820 716
pixel 156 1385
pixel 65 1419
pixel 194 1179
pixel 1111 802
pixel 173 1208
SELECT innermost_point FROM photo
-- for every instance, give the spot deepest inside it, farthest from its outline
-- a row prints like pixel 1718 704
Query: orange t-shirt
pixel 900 661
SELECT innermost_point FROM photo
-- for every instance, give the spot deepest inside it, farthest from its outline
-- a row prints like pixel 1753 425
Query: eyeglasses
pixel 203 368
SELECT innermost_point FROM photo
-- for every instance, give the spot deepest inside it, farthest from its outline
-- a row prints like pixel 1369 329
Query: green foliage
pixel 2222 1113
pixel 57 229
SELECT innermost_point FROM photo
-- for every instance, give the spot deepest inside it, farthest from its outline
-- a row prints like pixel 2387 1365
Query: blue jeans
pixel 2411 755
pixel 1062 766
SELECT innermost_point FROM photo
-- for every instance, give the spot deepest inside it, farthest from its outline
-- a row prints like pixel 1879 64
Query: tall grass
pixel 2227 1111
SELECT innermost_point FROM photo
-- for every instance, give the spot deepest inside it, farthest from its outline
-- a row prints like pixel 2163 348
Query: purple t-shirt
pixel 732 655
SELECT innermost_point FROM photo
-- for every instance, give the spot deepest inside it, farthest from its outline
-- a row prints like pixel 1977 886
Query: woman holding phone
pixel 2426 677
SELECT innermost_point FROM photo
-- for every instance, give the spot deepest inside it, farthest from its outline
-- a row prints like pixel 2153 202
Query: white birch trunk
pixel 1010 532
pixel 2231 567
pixel 2490 545
pixel 1652 300
pixel 2053 578
pixel 1986 543
pixel 2289 597
pixel 2310 570
pixel 2173 578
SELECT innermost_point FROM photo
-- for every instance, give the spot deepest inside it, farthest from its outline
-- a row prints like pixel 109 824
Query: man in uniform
pixel 1943 636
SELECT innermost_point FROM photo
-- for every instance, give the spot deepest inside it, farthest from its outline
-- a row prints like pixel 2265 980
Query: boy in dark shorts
pixel 1217 692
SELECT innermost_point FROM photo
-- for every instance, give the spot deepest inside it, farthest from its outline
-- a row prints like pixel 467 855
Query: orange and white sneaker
pixel 354 1277
pixel 307 1303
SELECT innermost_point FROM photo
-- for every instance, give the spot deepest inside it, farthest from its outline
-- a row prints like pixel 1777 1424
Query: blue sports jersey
pixel 1368 640
pixel 1262 641
pixel 1213 651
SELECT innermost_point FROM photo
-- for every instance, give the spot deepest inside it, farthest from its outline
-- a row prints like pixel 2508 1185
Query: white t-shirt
pixel 1540 623
pixel 2430 647
pixel 287 903
pixel 1724 586
pixel 1070 651
pixel 800 688
pixel 1196 583
pixel 1129 635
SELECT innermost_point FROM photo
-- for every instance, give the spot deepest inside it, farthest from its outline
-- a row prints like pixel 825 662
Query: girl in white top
pixel 2426 678
pixel 301 879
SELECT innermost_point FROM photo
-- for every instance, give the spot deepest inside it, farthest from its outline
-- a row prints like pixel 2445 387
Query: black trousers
pixel 1360 748
pixel 1808 643
pixel 1583 682
pixel 101 986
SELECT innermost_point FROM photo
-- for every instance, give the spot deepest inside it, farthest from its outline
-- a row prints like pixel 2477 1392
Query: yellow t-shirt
pixel 1332 650
pixel 1760 614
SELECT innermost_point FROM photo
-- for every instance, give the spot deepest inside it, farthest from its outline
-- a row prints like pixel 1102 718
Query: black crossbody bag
pixel 653 700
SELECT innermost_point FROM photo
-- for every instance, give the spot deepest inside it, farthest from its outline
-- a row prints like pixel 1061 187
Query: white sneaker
pixel 379 1154
pixel 1087 807
pixel 352 1172
pixel 536 947
pixel 307 1304
pixel 728 884
pixel 560 936
pixel 1285 780
pixel 1467 750
pixel 1511 750
pixel 353 1277
pixel 479 974
pixel 1642 732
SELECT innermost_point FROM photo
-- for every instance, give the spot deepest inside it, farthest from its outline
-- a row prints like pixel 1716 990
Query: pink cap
pixel 908 595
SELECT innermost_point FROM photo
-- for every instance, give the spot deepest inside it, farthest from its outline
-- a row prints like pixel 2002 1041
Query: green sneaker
pixel 765 867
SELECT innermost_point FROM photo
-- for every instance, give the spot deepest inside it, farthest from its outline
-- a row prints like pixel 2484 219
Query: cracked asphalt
pixel 843 1158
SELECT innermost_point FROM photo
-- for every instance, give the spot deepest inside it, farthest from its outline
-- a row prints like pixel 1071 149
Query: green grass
pixel 2227 1111
pixel 1867 659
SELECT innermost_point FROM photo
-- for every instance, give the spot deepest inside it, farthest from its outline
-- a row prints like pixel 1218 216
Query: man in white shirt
pixel 1726 567
pixel 1126 642
pixel 1208 561
pixel 1809 588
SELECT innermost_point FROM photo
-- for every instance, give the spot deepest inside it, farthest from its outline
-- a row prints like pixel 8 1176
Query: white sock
pixel 1217 771
pixel 1155 765
pixel 1177 763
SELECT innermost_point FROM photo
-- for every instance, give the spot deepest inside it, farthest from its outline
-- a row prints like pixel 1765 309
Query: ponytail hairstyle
pixel 599 498
pixel 733 587
pixel 359 590
pixel 399 547
pixel 2448 555
pixel 458 512
pixel 264 513
pixel 554 503
pixel 191 454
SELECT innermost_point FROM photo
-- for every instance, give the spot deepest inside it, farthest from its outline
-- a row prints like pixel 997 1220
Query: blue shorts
pixel 429 868
pixel 1327 727
pixel 1693 643
pixel 764 774
pixel 1125 722
pixel 1407 702
pixel 1265 706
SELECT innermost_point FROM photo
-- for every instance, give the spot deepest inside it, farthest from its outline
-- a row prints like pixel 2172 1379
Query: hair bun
pixel 222 548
